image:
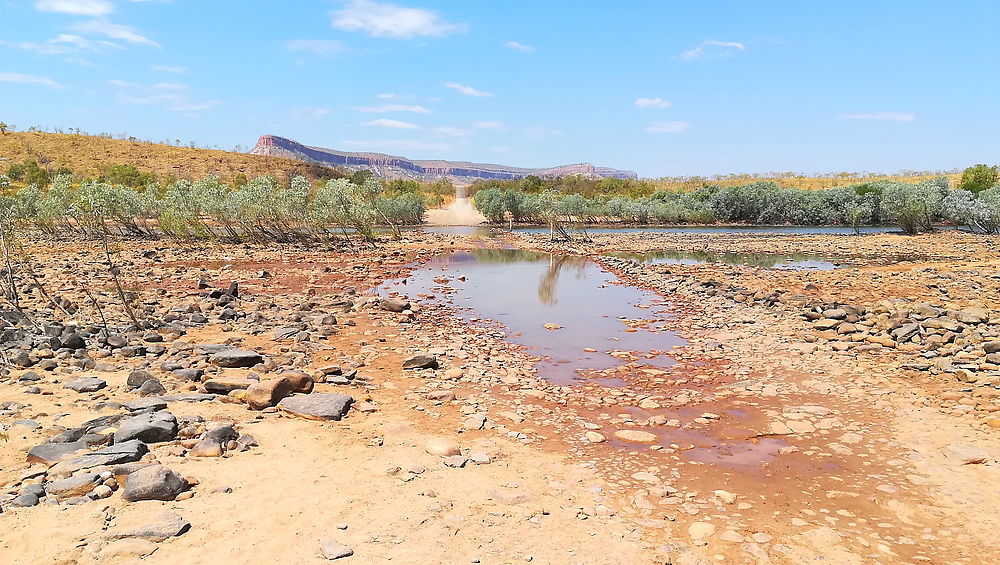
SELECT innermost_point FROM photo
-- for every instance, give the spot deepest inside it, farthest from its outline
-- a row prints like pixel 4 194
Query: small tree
pixel 3 128
pixel 978 178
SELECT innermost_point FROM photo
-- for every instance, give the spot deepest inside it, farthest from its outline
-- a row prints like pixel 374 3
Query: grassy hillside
pixel 88 156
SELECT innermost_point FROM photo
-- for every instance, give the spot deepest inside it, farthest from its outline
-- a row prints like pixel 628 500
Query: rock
pixel 152 387
pixel 224 385
pixel 456 461
pixel 991 347
pixel 267 393
pixel 420 361
pixel 124 550
pixel 25 500
pixel 137 378
pixel 236 358
pixel 74 341
pixel 52 453
pixel 637 436
pixel 145 405
pixel 441 396
pixel 318 406
pixel 153 483
pixel 301 382
pixel 552 326
pixel 165 525
pixel 148 428
pixel 725 496
pixel 332 549
pixel 125 452
pixel 701 530
pixel 594 437
pixel 442 447
pixel 286 333
pixel 206 448
pixel 966 454
pixel 73 486
pixel 86 384
pixel 394 304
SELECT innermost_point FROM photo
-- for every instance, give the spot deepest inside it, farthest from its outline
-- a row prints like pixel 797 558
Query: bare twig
pixel 118 285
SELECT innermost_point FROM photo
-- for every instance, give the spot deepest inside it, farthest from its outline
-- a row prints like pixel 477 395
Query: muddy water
pixel 525 291
pixel 795 262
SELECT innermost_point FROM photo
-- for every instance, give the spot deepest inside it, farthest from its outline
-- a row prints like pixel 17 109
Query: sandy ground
pixel 808 455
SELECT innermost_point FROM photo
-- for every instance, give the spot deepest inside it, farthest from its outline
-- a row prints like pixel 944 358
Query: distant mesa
pixel 392 167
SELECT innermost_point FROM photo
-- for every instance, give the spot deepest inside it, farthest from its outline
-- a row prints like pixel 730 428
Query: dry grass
pixel 792 180
pixel 88 155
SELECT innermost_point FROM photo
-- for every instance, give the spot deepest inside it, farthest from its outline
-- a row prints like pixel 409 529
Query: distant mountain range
pixel 392 167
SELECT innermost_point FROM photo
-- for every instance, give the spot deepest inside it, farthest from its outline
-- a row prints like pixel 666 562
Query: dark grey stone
pixel 153 483
pixel 318 406
pixel 420 361
pixel 236 358
pixel 149 428
pixel 86 384
pixel 125 452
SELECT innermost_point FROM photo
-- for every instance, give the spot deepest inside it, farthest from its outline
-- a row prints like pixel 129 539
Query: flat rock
pixel 226 385
pixel 442 446
pixel 332 549
pixel 73 486
pixel 966 454
pixel 52 453
pixel 86 384
pixel 125 452
pixel 317 406
pixel 236 358
pixel 421 361
pixel 701 530
pixel 163 526
pixel 636 436
pixel 148 404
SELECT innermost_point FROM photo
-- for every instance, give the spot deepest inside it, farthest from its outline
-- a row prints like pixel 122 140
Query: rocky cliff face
pixel 389 166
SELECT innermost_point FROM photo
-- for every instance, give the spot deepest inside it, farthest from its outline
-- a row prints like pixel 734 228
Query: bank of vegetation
pixel 913 206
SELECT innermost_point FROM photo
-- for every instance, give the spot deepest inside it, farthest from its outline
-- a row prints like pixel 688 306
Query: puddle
pixel 794 262
pixel 525 290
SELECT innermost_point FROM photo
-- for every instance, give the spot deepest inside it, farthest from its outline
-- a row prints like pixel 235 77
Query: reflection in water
pixel 500 284
pixel 793 261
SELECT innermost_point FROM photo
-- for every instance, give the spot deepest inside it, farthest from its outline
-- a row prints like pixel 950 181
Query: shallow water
pixel 794 261
pixel 525 290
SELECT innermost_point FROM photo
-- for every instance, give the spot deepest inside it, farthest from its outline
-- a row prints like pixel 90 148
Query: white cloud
pixel 64 44
pixel 167 95
pixel 321 47
pixel 389 20
pixel 882 116
pixel 657 103
pixel 538 132
pixel 114 31
pixel 308 112
pixel 76 7
pixel 386 123
pixel 393 108
pixel 387 96
pixel 467 90
pixel 29 79
pixel 174 70
pixel 489 124
pixel 517 46
pixel 398 145
pixel 449 131
pixel 712 50
pixel 667 127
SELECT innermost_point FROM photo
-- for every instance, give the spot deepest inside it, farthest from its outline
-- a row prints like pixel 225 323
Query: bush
pixel 978 178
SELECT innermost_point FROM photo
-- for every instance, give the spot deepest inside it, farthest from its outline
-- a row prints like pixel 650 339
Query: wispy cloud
pixel 489 124
pixel 517 46
pixel 308 112
pixel 882 116
pixel 385 108
pixel 174 70
pixel 387 123
pixel 166 95
pixel 29 79
pixel 467 90
pixel 667 127
pixel 398 145
pixel 114 31
pixel 539 132
pixel 76 7
pixel 656 103
pixel 64 44
pixel 712 50
pixel 450 131
pixel 321 47
pixel 390 20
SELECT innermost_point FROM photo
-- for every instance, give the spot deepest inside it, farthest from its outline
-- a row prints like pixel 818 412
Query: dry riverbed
pixel 841 416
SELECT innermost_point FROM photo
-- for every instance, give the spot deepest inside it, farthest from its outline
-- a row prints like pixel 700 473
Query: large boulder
pixel 153 483
pixel 236 358
pixel 149 428
pixel 267 393
pixel 318 406
pixel 301 382
pixel 137 378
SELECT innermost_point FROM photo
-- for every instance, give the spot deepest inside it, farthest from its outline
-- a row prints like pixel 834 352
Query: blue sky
pixel 662 88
